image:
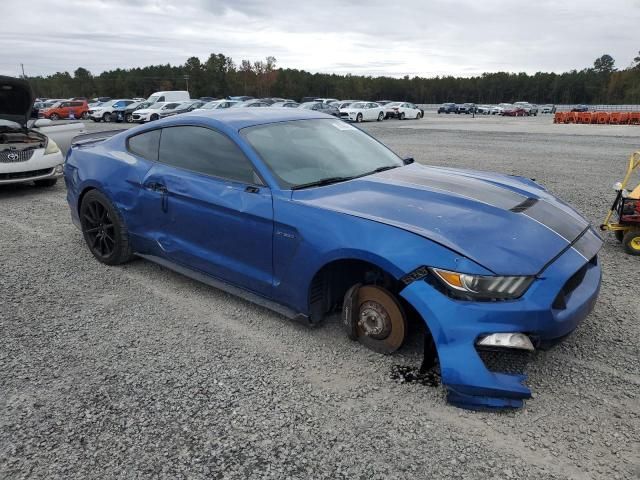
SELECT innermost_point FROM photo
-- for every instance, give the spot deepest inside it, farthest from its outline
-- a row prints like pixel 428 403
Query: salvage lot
pixel 135 370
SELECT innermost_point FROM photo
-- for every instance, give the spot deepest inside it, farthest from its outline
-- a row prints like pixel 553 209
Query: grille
pixel 20 175
pixel 14 156
pixel 505 361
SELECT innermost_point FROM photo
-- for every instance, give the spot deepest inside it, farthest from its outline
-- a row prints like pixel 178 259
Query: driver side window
pixel 205 151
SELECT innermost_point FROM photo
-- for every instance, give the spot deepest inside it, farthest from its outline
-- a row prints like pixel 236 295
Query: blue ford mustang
pixel 308 215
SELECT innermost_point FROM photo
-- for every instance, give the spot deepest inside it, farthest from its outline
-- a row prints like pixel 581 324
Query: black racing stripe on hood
pixel 463 186
pixel 589 244
pixel 556 219
pixel 525 205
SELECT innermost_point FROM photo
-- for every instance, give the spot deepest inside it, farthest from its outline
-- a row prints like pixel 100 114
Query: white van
pixel 170 96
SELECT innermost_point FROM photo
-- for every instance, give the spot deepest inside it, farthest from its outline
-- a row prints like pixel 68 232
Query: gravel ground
pixel 138 372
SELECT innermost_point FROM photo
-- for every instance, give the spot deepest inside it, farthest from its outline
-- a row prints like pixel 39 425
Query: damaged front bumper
pixel 560 298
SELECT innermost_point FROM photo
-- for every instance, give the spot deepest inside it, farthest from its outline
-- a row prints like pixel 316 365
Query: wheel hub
pixel 374 320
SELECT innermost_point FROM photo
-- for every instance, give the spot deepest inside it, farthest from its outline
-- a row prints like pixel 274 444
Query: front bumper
pixel 456 325
pixel 38 167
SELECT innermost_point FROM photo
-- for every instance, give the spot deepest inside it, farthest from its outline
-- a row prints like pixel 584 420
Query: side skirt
pixel 231 289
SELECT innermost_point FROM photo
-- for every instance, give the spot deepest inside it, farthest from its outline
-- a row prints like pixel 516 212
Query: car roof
pixel 239 118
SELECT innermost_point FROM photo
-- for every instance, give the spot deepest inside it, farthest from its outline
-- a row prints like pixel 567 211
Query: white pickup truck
pixel 30 151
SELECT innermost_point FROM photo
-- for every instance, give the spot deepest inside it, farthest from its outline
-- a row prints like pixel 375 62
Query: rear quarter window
pixel 145 144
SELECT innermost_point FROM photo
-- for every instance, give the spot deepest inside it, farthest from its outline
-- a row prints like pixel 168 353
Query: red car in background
pixel 513 111
pixel 65 109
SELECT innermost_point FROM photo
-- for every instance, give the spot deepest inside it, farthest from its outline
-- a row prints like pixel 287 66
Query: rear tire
pixel 401 116
pixel 619 234
pixel 47 182
pixel 631 242
pixel 128 118
pixel 104 230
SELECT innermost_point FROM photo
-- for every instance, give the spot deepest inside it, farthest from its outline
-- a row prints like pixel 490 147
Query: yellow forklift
pixel 626 211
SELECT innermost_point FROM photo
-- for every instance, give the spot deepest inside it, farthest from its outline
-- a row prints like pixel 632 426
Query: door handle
pixel 163 190
pixel 252 189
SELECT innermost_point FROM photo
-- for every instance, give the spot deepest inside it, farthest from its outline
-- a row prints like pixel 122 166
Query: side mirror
pixel 42 122
pixel 408 160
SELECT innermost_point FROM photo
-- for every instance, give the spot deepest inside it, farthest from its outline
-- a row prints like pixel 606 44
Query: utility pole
pixel 186 77
pixel 22 67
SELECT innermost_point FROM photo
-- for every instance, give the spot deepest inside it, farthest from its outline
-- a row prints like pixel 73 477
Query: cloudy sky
pixel 371 37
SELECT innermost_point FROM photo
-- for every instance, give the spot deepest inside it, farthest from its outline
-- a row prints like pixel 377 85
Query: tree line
pixel 220 76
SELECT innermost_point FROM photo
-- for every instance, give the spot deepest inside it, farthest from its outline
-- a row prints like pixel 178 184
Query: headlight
pixel 617 186
pixel 485 286
pixel 52 147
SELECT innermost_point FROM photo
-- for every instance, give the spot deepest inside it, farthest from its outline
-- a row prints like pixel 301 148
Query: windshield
pixel 306 151
pixel 357 105
pixel 210 105
pixel 397 104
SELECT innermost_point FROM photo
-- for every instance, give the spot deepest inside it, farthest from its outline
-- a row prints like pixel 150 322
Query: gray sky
pixel 374 37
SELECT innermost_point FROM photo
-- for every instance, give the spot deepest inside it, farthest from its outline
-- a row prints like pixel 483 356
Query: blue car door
pixel 207 209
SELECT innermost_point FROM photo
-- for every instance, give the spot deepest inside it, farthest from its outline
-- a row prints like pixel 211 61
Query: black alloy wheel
pixel 103 229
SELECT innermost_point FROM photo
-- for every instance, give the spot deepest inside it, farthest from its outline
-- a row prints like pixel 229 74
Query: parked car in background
pixel 241 98
pixel 548 109
pixel 383 102
pixel 321 107
pixel 448 108
pixel 344 103
pixel 66 109
pixel 250 104
pixel 216 104
pixel 483 109
pixel 169 96
pixel 106 111
pixel 529 108
pixel 402 110
pixel 288 104
pixel 308 99
pixel 466 108
pixel 30 150
pixel 513 111
pixel 97 100
pixel 498 109
pixel 207 99
pixel 124 114
pixel 155 111
pixel 362 111
pixel 326 100
pixel 580 108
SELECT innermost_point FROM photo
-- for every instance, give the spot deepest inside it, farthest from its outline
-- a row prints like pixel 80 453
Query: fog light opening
pixel 506 340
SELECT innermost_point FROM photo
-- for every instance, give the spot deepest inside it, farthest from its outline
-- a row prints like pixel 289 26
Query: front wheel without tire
pixel 631 242
pixel 103 229
pixel 375 318
pixel 47 182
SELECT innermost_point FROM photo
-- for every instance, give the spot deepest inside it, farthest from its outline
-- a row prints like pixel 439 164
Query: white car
pixel 104 111
pixel 498 109
pixel 216 104
pixel 483 109
pixel 362 111
pixel 28 152
pixel 156 111
pixel 402 110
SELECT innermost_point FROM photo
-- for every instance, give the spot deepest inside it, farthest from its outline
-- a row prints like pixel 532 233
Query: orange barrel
pixel 602 118
pixel 634 118
pixel 558 117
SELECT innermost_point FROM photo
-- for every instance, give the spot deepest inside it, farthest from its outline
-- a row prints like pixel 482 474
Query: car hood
pixel 507 224
pixel 16 100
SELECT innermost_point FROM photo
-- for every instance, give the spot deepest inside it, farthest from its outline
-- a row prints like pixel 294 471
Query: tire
pixel 619 234
pixel 359 118
pixel 631 242
pixel 380 116
pixel 85 115
pixel 128 118
pixel 95 119
pixel 47 182
pixel 401 116
pixel 419 115
pixel 54 117
pixel 154 117
pixel 106 118
pixel 104 230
